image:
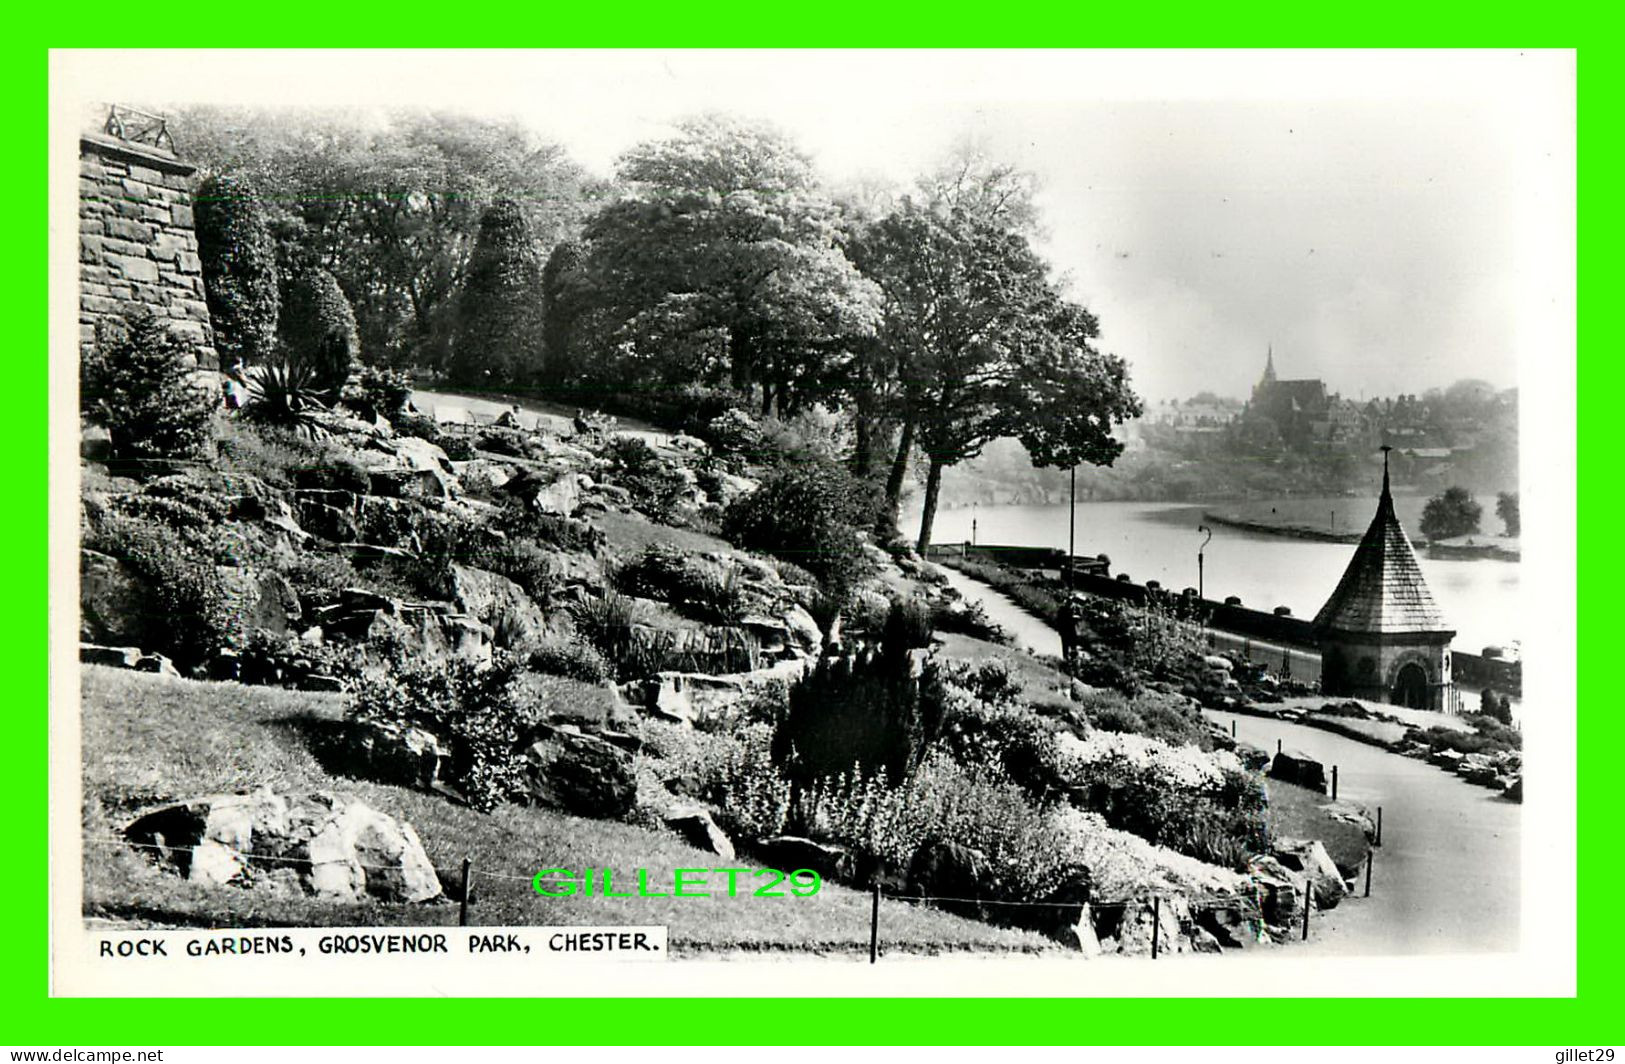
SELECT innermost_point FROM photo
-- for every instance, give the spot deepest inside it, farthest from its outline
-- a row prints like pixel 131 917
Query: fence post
pixel 1156 924
pixel 462 906
pixel 1370 855
pixel 1308 903
pixel 874 927
pixel 1334 783
pixel 1277 746
pixel 1232 727
pixel 1379 826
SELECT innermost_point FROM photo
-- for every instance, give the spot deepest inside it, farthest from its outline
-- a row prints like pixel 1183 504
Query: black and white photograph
pixel 835 522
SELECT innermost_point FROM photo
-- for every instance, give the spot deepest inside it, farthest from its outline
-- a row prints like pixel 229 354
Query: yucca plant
pixel 285 393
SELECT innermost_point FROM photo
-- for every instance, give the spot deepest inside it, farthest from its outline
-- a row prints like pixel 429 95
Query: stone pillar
pixel 137 245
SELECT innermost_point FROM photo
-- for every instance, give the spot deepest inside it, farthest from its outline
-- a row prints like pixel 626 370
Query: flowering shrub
pixel 943 801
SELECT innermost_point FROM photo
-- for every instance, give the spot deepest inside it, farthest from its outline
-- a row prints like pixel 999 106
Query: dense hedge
pixel 239 268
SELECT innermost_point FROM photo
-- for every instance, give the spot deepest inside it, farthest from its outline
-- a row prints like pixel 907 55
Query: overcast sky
pixel 1388 221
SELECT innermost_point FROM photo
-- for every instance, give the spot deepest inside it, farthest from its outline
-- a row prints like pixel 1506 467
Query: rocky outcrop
pixel 578 773
pixel 113 602
pixel 126 658
pixel 488 596
pixel 1308 858
pixel 791 852
pixel 1281 891
pixel 321 844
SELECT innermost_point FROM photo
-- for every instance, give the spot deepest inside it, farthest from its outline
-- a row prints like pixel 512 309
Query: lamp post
pixel 1071 527
pixel 973 524
pixel 1201 587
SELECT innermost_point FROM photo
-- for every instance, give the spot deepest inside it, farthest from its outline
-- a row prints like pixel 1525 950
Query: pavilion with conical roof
pixel 1381 634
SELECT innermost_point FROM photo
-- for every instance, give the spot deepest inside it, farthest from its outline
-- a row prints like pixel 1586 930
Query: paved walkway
pixel 1447 876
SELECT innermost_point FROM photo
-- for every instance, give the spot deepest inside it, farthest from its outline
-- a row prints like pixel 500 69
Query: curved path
pixel 1030 632
pixel 1447 876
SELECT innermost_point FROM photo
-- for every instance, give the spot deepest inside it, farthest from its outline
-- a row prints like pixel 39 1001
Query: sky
pixel 1388 222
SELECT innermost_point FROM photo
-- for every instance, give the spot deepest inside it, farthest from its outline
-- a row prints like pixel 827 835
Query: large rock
pixel 1293 766
pixel 113 604
pixel 1143 918
pixel 548 491
pixel 419 453
pixel 1280 891
pixel 581 774
pixel 788 853
pixel 323 844
pixel 408 484
pixel 261 599
pixel 701 832
pixel 411 757
pixel 954 875
pixel 803 629
pixel 1308 857
pixel 489 596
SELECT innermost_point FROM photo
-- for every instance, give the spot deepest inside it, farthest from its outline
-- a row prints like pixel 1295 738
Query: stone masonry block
pixel 126 229
pixel 133 268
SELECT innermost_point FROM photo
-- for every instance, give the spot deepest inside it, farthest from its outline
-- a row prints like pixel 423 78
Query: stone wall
pixel 137 245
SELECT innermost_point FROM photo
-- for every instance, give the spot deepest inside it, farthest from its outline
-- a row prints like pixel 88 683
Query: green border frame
pixel 34 1018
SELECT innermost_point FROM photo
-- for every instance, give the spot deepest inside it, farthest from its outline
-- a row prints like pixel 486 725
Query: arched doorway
pixel 1411 687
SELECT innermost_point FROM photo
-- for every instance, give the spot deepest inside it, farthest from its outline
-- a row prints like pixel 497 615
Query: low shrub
pixel 655 485
pixel 606 623
pixel 570 657
pixel 1200 804
pixel 693 586
pixel 808 514
pixel 476 710
pixel 969 618
pixel 943 802
pixel 182 586
pixel 138 381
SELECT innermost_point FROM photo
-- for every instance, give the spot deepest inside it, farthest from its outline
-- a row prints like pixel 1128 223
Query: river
pixel 1159 541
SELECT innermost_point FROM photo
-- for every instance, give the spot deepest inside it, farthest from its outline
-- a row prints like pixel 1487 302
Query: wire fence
pixel 1194 904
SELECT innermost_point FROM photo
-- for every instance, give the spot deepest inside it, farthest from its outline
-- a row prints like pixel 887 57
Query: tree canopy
pixel 1451 513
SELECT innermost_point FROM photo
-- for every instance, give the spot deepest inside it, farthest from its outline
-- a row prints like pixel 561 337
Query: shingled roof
pixel 1382 590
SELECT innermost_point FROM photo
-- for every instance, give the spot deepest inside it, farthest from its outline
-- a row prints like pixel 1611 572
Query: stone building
pixel 1381 634
pixel 137 246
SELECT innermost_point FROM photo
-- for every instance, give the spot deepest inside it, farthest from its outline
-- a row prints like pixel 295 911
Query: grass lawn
pixel 1298 813
pixel 150 739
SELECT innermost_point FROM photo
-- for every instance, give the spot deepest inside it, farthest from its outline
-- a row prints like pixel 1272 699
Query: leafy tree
pixel 239 268
pixel 1072 395
pixel 391 206
pixel 499 326
pixel 140 382
pixel 978 334
pixel 724 263
pixel 1506 508
pixel 1453 513
pixel 318 328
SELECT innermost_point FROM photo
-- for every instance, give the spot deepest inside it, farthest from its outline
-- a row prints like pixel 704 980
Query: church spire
pixel 1269 365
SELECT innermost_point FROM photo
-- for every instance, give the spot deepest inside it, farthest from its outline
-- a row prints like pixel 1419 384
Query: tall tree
pixel 968 307
pixel 723 264
pixel 498 336
pixel 391 204
pixel 1071 396
pixel 318 327
pixel 239 267
pixel 1506 508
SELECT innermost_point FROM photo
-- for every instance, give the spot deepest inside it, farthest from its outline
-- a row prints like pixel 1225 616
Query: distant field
pixel 150 739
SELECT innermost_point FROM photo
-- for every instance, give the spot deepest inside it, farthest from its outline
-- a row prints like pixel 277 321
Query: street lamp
pixel 973 524
pixel 1072 528
pixel 1201 588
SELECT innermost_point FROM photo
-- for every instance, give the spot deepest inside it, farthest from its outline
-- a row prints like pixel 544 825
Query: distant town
pixel 1290 437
